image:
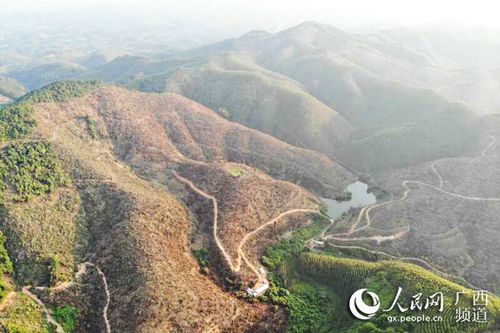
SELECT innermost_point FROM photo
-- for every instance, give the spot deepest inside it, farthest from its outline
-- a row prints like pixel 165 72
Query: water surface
pixel 360 197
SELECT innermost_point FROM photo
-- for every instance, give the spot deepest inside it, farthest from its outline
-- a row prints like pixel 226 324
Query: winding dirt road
pixel 241 254
pixel 63 286
pixel 413 260
pixel 106 292
pixel 215 212
pixel 377 238
pixel 365 212
pixel 492 143
pixel 47 312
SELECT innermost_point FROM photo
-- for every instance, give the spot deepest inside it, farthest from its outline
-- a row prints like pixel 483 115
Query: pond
pixel 360 197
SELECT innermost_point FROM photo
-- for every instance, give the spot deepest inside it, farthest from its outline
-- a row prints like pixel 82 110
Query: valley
pixel 393 220
pixel 251 184
pixel 96 174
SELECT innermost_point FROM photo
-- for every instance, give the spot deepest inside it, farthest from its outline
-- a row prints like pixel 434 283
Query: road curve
pixel 460 196
pixel 215 211
pixel 365 212
pixel 106 292
pixel 377 238
pixel 47 312
pixel 418 261
pixel 241 254
pixel 82 269
pixel 493 141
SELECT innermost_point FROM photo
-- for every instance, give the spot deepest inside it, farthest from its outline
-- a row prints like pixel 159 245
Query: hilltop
pixel 318 87
pixel 373 100
pixel 11 88
pixel 113 201
pixel 148 202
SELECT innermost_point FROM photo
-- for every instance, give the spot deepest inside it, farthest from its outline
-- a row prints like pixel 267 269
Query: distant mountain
pixel 150 188
pixel 121 68
pixel 40 75
pixel 244 92
pixel 97 59
pixel 11 58
pixel 11 88
pixel 367 99
pixel 170 187
pixel 333 91
pixel 449 47
pixel 421 64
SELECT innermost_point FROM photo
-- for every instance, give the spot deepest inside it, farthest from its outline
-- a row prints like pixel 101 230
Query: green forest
pixel 315 289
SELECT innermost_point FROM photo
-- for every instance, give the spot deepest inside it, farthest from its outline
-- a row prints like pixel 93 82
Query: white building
pixel 260 290
pixel 318 244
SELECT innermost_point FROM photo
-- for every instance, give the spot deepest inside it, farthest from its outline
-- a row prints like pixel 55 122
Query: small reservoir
pixel 360 197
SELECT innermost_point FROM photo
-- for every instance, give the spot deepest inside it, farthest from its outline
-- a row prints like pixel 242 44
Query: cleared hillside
pixel 98 188
pixel 344 276
pixel 153 129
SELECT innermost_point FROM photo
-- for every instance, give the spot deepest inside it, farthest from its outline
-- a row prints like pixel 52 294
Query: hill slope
pixel 39 75
pixel 324 89
pixel 11 88
pixel 251 95
pixel 114 206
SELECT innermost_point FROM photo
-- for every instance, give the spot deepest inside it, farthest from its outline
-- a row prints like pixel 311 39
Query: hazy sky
pixel 276 14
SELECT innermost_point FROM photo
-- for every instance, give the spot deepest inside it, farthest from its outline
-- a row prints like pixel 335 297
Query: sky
pixel 278 14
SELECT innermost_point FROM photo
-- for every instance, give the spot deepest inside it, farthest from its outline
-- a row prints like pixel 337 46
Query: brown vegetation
pixel 119 148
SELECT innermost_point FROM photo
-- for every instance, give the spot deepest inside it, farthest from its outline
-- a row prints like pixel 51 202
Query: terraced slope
pixel 315 286
pixel 105 162
pixel 443 212
pixel 345 276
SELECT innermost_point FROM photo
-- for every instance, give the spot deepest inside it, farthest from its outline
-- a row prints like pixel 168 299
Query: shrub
pixel 289 248
pixel 54 268
pixel 5 262
pixel 60 91
pixel 31 169
pixel 91 127
pixel 66 316
pixel 15 121
pixel 14 328
pixel 201 256
pixel 236 171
